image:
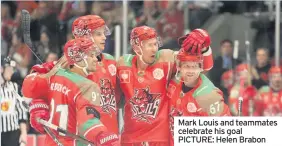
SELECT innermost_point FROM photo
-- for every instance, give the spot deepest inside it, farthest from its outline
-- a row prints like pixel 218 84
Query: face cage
pixel 75 56
pixel 136 42
pixel 78 32
pixel 107 31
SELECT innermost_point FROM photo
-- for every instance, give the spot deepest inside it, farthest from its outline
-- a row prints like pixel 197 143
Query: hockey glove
pixel 107 139
pixel 38 109
pixel 44 67
pixel 197 41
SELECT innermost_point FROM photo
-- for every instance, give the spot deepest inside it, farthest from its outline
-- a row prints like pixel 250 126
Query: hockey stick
pixel 54 127
pixel 240 106
pixel 248 58
pixel 235 56
pixel 27 39
pixel 50 133
pixel 26 34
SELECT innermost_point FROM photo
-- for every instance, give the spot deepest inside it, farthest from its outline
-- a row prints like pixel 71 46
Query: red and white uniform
pixel 145 117
pixel 270 101
pixel 241 89
pixel 146 104
pixel 74 100
pixel 204 99
pixel 105 77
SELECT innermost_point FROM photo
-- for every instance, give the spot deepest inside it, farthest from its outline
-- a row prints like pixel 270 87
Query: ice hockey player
pixel 143 80
pixel 94 26
pixel 191 93
pixel 71 101
pixel 270 97
pixel 243 88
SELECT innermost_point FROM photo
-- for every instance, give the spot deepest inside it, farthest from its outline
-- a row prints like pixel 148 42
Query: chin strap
pixel 84 69
pixel 140 56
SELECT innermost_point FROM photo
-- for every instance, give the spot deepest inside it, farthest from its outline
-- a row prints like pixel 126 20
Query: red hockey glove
pixel 38 109
pixel 249 93
pixel 44 67
pixel 107 139
pixel 197 41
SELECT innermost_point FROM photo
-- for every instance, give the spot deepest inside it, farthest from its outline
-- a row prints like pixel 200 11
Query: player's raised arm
pixel 198 39
pixel 35 96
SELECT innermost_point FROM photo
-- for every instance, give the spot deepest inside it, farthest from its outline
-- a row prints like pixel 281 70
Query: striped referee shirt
pixel 12 111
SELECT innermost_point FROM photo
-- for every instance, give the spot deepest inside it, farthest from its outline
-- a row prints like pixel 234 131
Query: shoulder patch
pixel 108 56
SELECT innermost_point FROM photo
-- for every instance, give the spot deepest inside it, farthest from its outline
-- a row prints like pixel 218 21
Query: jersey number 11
pixel 63 110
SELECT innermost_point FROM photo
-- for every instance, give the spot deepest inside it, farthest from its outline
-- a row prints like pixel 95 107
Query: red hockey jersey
pixel 146 104
pixel 74 104
pixel 105 76
pixel 203 100
pixel 270 103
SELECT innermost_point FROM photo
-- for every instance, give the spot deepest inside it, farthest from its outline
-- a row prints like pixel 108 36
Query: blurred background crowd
pixel 226 21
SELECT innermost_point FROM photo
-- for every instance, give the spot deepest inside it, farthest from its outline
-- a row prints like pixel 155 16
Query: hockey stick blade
pixel 26 33
pixel 55 127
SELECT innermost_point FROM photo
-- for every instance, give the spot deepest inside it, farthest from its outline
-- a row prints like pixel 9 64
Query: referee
pixel 13 113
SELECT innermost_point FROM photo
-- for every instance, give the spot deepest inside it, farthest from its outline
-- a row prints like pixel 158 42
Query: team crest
pixel 158 73
pixel 145 105
pixel 124 76
pixel 108 101
pixel 112 69
pixel 191 107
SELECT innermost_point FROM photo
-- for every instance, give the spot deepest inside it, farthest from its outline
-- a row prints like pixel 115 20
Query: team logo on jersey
pixel 145 105
pixel 108 101
pixel 5 106
pixel 140 79
pixel 124 76
pixel 158 73
pixel 173 113
pixel 112 69
pixel 191 107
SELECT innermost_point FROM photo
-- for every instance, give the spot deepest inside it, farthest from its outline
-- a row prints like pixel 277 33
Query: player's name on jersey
pixel 234 131
pixel 59 88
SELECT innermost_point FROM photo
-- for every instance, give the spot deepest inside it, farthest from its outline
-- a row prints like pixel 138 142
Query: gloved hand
pixel 249 93
pixel 107 139
pixel 38 109
pixel 197 41
pixel 44 67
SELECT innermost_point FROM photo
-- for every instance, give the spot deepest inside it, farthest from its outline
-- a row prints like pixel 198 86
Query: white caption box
pixel 200 131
